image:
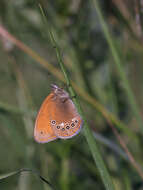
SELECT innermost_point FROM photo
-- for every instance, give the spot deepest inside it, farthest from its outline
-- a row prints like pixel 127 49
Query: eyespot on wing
pixel 68 130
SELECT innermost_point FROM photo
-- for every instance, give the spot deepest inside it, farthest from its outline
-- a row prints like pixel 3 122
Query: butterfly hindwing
pixel 67 122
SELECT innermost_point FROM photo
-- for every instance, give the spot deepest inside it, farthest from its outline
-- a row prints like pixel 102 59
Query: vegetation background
pixel 102 49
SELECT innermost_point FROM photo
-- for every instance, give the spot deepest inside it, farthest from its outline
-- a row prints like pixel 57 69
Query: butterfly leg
pixel 65 99
pixel 73 97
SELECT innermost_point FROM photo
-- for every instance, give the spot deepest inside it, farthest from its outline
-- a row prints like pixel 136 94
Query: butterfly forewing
pixel 43 131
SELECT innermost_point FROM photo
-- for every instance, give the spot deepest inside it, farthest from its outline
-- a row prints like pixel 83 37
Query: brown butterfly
pixel 57 118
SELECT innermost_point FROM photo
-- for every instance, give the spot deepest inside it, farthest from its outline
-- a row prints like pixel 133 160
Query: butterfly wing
pixel 65 120
pixel 43 131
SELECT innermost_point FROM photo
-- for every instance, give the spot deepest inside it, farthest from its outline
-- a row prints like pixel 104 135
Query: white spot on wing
pixel 62 124
pixel 75 118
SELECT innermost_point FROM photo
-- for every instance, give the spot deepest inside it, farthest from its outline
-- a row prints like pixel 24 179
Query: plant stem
pixel 106 178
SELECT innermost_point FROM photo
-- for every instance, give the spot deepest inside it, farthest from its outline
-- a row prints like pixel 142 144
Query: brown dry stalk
pixel 130 156
pixel 86 96
pixel 138 19
pixel 124 9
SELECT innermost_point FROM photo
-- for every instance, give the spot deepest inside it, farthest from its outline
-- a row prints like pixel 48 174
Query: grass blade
pixel 4 176
pixel 119 66
pixel 87 132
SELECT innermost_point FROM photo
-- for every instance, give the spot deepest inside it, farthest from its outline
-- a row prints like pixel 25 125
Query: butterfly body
pixel 57 118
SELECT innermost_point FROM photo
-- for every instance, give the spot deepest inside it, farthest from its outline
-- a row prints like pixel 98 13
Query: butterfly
pixel 57 117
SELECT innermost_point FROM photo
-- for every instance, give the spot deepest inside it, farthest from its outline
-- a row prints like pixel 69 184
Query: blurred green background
pixel 107 70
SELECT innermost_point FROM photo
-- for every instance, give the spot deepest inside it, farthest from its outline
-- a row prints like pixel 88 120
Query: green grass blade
pixel 87 132
pixel 4 176
pixel 120 69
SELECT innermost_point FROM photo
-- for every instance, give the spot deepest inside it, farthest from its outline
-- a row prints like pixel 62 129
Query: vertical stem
pixel 87 132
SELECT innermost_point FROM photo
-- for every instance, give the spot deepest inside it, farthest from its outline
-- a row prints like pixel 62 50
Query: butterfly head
pixel 61 93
